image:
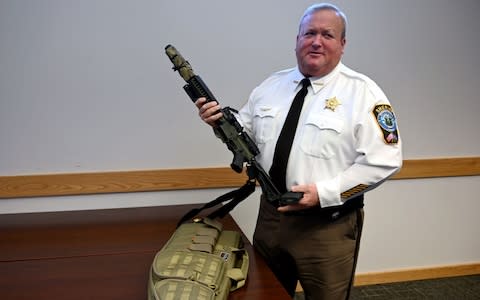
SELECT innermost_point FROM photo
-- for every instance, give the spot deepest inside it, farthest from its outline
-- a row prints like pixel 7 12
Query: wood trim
pixel 413 274
pixel 440 167
pixel 417 274
pixel 199 178
pixel 117 182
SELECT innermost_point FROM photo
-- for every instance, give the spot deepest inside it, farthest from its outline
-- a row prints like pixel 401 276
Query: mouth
pixel 315 54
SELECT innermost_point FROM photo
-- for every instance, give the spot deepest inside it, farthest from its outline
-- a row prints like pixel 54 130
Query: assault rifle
pixel 229 130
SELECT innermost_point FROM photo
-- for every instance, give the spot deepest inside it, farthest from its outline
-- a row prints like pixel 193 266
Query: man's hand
pixel 209 112
pixel 310 198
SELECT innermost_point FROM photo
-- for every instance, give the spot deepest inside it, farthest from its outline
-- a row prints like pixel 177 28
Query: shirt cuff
pixel 329 193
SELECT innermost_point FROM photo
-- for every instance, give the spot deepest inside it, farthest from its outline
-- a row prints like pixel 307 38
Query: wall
pixel 85 86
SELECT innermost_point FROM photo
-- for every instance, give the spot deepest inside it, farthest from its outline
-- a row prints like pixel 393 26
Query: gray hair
pixel 325 6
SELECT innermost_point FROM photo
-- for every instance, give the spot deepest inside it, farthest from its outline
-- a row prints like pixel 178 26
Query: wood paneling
pixel 199 178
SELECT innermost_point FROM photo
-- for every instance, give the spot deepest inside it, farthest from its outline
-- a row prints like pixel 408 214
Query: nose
pixel 317 41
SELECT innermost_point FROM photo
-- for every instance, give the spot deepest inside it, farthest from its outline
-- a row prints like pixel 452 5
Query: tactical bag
pixel 201 261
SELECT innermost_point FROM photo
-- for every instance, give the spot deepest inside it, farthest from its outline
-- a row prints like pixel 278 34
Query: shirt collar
pixel 317 82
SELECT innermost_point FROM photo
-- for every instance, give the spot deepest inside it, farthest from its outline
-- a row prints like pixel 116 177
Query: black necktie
pixel 278 170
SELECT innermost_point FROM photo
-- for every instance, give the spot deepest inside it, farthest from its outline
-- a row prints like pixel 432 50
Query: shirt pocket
pixel 264 123
pixel 321 136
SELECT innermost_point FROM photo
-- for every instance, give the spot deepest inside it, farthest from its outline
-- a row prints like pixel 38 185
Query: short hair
pixel 325 6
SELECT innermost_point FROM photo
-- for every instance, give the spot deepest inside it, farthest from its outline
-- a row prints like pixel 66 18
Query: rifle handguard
pixel 229 130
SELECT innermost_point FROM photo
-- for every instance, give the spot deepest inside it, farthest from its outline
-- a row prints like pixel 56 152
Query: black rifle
pixel 231 133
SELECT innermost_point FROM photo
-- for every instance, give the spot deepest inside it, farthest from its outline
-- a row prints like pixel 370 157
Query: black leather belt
pixel 330 213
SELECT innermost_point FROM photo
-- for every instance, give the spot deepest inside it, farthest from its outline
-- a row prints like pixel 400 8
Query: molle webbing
pixel 200 261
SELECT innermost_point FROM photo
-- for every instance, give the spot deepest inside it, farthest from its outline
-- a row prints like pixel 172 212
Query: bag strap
pixel 234 198
pixel 238 275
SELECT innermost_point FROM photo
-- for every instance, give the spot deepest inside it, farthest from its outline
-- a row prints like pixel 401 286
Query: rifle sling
pixel 235 197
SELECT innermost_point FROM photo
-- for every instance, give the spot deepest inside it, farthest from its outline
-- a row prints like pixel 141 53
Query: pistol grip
pixel 290 198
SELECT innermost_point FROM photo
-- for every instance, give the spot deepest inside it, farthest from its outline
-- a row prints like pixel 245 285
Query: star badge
pixel 332 103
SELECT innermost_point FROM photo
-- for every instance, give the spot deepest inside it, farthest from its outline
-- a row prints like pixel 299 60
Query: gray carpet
pixel 462 288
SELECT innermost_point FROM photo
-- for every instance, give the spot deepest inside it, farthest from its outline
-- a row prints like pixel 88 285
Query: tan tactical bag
pixel 201 261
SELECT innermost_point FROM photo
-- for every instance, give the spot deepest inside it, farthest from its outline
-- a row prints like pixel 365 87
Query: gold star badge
pixel 332 103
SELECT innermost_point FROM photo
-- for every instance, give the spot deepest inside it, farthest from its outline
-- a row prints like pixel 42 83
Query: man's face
pixel 319 43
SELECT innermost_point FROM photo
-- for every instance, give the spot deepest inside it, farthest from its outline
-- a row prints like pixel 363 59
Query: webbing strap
pixel 193 266
pixel 212 232
pixel 203 239
pixel 235 198
pixel 201 247
pixel 173 289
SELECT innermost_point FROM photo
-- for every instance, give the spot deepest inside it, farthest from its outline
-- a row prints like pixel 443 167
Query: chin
pixel 313 71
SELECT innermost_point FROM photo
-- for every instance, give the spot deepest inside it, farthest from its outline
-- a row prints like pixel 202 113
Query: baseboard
pixel 413 274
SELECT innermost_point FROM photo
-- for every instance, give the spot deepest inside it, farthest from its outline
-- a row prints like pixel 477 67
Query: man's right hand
pixel 209 112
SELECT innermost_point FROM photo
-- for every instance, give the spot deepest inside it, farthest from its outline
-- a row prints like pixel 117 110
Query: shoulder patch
pixel 387 122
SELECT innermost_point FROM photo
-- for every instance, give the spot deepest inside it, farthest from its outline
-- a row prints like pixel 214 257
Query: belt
pixel 332 213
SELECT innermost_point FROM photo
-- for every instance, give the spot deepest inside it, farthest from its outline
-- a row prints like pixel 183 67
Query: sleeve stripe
pixel 354 191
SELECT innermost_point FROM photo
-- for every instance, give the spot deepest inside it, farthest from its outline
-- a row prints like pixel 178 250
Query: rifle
pixel 229 130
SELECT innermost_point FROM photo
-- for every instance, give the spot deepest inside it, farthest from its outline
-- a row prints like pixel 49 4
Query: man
pixel 346 143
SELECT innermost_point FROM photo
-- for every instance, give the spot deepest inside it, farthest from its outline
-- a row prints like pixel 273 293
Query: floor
pixel 462 288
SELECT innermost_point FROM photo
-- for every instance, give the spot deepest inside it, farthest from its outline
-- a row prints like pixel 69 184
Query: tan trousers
pixel 319 252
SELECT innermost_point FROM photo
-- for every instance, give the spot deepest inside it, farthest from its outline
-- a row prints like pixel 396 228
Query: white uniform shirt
pixel 345 150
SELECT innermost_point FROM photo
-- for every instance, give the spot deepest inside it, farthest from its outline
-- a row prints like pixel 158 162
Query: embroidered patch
pixel 387 122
